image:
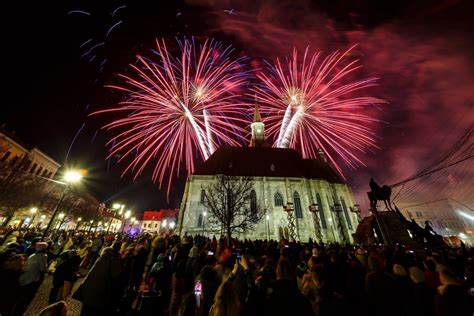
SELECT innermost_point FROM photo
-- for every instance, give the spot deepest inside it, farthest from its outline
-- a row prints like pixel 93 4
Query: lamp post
pixel 70 177
pixel 33 212
pixel 125 217
pixel 267 218
pixel 204 214
pixel 79 219
pixel 62 217
pixel 116 206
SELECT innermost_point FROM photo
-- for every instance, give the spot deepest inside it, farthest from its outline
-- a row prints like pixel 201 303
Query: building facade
pixel 159 221
pixel 285 186
pixel 447 217
pixel 16 157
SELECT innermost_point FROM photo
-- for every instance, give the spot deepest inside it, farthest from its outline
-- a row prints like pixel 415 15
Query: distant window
pixel 45 172
pixel 321 211
pixel 199 223
pixel 39 170
pixel 26 165
pixel 202 198
pixel 156 225
pixel 297 202
pixel 32 170
pixel 346 213
pixel 278 199
pixel 14 161
pixel 5 156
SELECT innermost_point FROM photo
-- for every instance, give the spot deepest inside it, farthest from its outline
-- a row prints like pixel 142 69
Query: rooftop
pixel 266 162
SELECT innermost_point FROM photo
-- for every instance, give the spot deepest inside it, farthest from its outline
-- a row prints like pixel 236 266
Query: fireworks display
pixel 178 108
pixel 311 103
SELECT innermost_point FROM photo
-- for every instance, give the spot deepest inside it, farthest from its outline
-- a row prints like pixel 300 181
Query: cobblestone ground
pixel 41 299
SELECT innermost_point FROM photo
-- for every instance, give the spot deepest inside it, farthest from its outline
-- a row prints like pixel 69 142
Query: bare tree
pixel 230 205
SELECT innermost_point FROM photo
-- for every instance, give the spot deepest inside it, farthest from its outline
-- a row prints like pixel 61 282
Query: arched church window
pixel 346 213
pixel 278 199
pixel 199 224
pixel 253 204
pixel 321 211
pixel 297 203
pixel 202 198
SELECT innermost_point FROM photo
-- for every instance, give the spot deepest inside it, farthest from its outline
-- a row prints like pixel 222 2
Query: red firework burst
pixel 309 105
pixel 177 109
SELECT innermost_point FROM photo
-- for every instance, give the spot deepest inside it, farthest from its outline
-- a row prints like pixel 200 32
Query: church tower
pixel 258 129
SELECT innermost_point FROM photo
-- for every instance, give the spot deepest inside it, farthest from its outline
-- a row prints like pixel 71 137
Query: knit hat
pixel 193 252
pixel 399 270
pixel 417 275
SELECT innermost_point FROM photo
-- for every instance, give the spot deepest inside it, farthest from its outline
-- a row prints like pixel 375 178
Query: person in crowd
pixel 226 301
pixel 421 302
pixel 379 287
pixel 431 275
pixel 100 292
pixel 209 281
pixel 402 287
pixel 10 271
pixel 452 298
pixel 30 280
pixel 65 275
pixel 96 245
pixel 286 299
pixel 179 287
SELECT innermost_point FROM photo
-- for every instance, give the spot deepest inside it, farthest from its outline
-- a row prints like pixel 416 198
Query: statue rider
pixel 374 186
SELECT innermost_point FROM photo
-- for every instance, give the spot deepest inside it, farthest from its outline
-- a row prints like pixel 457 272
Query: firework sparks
pixel 177 107
pixel 310 104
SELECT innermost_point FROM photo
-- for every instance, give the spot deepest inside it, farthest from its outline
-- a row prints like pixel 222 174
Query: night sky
pixel 421 50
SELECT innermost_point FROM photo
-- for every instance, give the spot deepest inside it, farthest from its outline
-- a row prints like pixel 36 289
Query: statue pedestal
pixel 391 228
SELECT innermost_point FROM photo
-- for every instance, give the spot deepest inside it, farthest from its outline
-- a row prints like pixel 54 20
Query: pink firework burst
pixel 312 104
pixel 178 109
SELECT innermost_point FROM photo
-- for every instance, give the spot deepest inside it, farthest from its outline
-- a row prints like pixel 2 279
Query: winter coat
pixel 286 299
pixel 101 286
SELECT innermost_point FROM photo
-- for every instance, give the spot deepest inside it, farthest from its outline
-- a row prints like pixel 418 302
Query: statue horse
pixel 381 194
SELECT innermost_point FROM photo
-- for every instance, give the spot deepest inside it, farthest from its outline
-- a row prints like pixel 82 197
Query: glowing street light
pixel 172 225
pixel 70 177
pixel 33 210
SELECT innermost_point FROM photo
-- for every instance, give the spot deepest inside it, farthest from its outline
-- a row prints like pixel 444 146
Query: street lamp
pixel 79 219
pixel 172 225
pixel 62 217
pixel 33 212
pixel 70 177
pixel 116 206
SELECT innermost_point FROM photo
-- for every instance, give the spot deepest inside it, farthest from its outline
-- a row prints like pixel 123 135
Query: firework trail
pixel 73 141
pixel 117 9
pixel 112 28
pixel 311 104
pixel 178 107
pixel 78 12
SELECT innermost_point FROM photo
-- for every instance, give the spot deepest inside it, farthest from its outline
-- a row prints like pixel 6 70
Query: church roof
pixel 266 162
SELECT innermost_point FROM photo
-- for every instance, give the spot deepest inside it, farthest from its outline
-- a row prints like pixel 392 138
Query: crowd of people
pixel 120 274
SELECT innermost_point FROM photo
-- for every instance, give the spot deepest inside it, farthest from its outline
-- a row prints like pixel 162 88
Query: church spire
pixel 258 128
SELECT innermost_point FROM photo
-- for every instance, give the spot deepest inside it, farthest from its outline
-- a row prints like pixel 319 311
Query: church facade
pixel 301 198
